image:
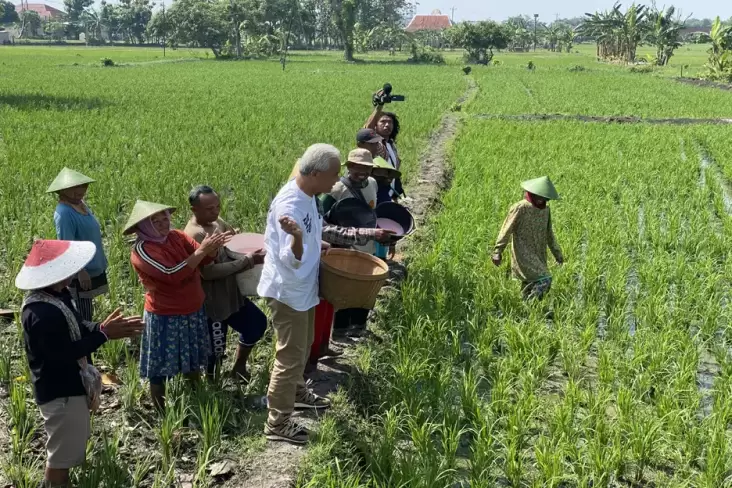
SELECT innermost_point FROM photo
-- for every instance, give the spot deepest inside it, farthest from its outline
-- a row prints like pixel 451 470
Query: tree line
pixel 240 28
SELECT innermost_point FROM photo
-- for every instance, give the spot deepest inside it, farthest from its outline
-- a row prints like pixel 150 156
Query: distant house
pixel 436 21
pixel 6 37
pixel 45 11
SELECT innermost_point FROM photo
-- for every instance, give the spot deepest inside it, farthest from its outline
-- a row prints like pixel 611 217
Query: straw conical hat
pixel 382 163
pixel 143 210
pixel 50 262
pixel 541 186
pixel 68 178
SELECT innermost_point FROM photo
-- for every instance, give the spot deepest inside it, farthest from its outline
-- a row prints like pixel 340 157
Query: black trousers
pixel 350 316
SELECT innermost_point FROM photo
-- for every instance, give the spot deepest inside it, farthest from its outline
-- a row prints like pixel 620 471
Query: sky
pixel 501 10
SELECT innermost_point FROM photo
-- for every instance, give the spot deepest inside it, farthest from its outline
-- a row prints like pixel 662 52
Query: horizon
pixel 470 10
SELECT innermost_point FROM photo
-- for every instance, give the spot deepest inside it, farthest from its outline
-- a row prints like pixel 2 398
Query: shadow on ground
pixel 39 101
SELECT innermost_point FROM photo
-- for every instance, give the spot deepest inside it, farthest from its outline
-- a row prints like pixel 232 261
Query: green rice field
pixel 462 383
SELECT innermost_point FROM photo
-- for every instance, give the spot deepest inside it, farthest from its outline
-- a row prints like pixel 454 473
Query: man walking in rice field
pixel 529 228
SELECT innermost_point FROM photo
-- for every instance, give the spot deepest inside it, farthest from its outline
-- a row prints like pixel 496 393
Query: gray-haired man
pixel 290 283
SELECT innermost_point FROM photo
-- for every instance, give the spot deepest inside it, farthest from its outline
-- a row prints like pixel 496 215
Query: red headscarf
pixel 531 198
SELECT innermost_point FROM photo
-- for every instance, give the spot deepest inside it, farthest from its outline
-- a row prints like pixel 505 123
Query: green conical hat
pixel 68 178
pixel 382 163
pixel 541 186
pixel 143 210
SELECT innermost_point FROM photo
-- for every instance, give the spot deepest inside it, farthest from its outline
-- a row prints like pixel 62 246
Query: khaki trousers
pixel 295 332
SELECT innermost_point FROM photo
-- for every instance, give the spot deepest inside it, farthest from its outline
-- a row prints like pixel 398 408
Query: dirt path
pixel 620 119
pixel 277 466
pixel 705 83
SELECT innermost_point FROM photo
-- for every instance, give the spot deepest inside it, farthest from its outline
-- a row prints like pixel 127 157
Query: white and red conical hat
pixel 50 262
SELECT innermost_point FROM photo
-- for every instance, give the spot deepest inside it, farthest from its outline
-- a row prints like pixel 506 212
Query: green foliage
pixel 200 23
pixel 8 14
pixel 618 35
pixel 664 33
pixel 642 69
pixel 127 20
pixel 422 54
pixel 478 39
pixel 719 65
pixel 344 18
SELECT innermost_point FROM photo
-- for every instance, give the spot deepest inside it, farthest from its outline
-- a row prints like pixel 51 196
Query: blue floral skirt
pixel 174 344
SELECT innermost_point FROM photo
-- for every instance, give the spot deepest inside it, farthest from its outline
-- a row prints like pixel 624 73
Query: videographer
pixel 386 124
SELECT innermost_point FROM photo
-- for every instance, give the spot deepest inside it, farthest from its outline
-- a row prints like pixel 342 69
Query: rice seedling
pixel 23 422
pixel 164 478
pixel 483 453
pixel 140 470
pixel 549 461
pixel 131 391
pixel 211 416
pixel 112 353
pixel 170 427
pixel 24 472
pixel 6 363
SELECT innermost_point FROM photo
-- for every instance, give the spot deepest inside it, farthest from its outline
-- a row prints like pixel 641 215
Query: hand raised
pixel 289 225
pixel 118 326
pixel 213 242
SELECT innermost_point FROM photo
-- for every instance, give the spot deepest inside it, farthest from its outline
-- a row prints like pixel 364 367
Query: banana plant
pixel 719 65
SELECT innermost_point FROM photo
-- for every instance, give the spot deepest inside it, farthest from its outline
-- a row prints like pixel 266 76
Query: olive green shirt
pixel 219 278
pixel 529 229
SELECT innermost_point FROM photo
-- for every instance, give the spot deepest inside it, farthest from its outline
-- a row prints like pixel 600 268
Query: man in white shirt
pixel 290 283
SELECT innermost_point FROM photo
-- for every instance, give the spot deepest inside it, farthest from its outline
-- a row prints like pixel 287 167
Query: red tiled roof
pixel 44 10
pixel 428 22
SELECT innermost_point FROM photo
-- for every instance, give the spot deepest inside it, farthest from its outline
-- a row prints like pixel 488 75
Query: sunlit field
pixel 464 384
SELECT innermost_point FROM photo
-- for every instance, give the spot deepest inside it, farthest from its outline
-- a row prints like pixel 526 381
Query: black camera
pixel 384 96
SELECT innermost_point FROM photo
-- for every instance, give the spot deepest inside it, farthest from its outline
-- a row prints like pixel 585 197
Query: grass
pixel 560 404
pixel 629 385
pixel 553 88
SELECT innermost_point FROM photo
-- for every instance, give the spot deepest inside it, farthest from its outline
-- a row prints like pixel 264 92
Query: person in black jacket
pixel 59 344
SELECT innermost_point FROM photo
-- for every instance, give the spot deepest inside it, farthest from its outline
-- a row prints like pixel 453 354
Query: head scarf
pixel 146 231
pixel 531 198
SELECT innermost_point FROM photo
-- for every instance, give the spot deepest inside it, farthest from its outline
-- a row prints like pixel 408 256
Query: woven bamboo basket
pixel 350 278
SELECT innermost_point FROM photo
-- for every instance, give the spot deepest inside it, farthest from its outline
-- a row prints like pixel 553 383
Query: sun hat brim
pixel 542 187
pixel 359 163
pixel 68 178
pixel 381 163
pixel 141 211
pixel 68 264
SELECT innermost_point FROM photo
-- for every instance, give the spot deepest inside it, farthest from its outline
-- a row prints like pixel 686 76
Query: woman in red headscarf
pixel 176 338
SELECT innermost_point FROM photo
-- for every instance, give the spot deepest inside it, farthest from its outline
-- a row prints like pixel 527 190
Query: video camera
pixel 384 96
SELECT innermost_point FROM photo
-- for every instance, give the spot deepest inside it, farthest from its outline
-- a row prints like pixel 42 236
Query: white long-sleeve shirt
pixel 284 278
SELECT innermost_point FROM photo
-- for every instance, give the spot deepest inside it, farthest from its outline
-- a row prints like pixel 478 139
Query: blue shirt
pixel 74 226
